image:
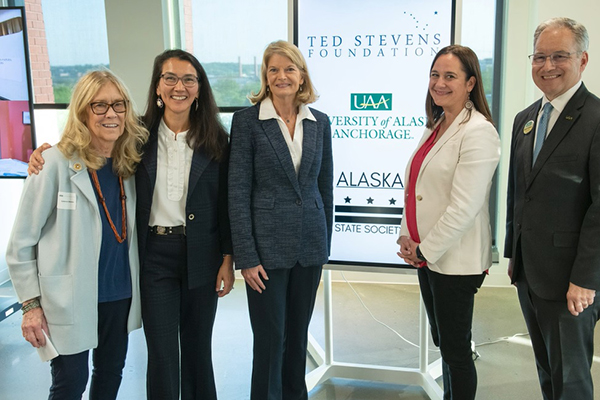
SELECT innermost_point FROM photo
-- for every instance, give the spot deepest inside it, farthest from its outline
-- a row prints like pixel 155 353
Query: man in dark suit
pixel 553 213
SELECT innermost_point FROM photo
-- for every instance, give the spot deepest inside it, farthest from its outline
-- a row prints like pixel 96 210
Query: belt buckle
pixel 161 230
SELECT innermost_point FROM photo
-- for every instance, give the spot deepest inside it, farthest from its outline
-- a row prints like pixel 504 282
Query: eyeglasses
pixel 101 108
pixel 172 79
pixel 556 58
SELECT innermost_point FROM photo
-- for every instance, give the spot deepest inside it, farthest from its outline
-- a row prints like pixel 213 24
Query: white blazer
pixel 54 250
pixel 452 197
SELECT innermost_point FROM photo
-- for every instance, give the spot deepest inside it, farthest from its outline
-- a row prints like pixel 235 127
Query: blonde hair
pixel 77 137
pixel 306 94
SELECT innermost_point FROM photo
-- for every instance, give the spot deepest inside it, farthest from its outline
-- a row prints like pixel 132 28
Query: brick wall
pixel 38 52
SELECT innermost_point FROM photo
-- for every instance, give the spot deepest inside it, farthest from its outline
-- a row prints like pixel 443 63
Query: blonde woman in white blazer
pixel 72 257
pixel 446 225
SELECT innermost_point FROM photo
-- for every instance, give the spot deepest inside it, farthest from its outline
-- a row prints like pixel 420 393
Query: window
pixel 479 33
pixel 229 38
pixel 482 31
pixel 75 34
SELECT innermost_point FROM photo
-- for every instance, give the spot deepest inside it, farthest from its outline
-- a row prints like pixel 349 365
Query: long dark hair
pixel 206 130
pixel 470 65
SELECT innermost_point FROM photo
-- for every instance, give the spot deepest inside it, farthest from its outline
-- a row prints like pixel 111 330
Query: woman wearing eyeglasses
pixel 72 254
pixel 185 241
pixel 183 227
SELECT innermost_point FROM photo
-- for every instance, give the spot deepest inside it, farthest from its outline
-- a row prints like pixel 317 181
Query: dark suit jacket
pixel 553 212
pixel 280 219
pixel 208 234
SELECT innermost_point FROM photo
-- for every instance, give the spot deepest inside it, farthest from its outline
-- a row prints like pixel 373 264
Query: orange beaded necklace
pixel 123 235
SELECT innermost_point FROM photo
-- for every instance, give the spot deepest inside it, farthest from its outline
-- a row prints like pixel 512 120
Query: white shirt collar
pixel 267 111
pixel 165 131
pixel 561 101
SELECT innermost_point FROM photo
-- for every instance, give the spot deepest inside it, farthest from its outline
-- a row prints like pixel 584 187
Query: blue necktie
pixel 540 135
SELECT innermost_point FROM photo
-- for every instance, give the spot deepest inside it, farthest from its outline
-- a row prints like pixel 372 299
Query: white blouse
pixel 267 111
pixel 173 164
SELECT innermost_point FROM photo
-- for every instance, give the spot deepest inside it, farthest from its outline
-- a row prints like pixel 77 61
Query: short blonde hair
pixel 77 137
pixel 307 94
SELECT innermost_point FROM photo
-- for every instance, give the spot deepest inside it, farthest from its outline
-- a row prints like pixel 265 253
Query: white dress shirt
pixel 173 163
pixel 267 111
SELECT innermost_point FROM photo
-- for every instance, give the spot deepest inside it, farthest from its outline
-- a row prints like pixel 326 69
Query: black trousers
pixel 178 324
pixel 449 301
pixel 70 372
pixel 279 317
pixel 563 344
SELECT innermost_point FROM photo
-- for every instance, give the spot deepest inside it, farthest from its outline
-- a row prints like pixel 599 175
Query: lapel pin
pixel 77 167
pixel 569 118
pixel 528 127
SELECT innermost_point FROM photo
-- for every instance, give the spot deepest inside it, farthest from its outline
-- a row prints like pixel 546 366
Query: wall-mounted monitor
pixel 16 100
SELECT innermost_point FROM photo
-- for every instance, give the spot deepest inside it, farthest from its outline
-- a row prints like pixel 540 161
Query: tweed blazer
pixel 553 207
pixel 208 234
pixel 54 250
pixel 453 191
pixel 280 218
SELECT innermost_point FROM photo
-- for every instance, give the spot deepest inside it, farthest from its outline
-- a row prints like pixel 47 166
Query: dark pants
pixel 280 316
pixel 562 343
pixel 449 300
pixel 70 372
pixel 178 323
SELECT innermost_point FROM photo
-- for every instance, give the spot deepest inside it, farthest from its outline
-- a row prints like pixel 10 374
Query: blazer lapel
pixel 273 132
pixel 81 180
pixel 199 163
pixel 527 140
pixel 452 130
pixel 561 128
pixel 130 201
pixel 149 161
pixel 309 143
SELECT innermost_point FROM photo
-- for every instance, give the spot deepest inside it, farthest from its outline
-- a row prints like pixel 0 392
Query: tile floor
pixel 506 369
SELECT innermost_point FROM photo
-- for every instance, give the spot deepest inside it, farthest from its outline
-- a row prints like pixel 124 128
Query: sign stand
pixel 424 376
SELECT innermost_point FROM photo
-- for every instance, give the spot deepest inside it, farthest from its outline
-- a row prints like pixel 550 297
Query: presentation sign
pixel 16 139
pixel 370 61
pixel 13 70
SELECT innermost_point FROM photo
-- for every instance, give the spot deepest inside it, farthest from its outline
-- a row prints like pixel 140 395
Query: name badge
pixel 67 201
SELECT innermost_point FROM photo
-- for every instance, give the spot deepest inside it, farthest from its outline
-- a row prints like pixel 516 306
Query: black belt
pixel 168 230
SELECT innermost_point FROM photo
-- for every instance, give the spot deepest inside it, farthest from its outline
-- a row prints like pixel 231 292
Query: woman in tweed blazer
pixel 281 206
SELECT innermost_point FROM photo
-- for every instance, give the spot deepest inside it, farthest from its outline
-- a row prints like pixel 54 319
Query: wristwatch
pixel 420 255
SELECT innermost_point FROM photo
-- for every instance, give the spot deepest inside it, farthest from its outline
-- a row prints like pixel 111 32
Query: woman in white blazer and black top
pixel 446 226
